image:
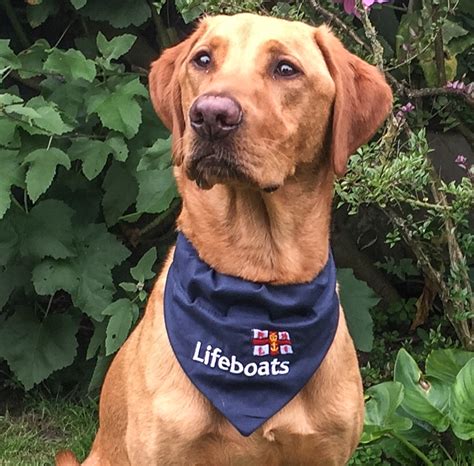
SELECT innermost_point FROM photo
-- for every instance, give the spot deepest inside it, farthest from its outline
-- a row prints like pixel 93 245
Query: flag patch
pixel 268 342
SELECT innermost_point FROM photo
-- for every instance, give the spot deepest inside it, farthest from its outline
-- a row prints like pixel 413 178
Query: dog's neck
pixel 279 238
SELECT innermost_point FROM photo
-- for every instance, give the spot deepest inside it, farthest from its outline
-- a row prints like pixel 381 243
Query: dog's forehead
pixel 250 32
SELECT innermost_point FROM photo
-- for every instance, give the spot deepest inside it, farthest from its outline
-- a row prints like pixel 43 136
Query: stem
pixel 16 25
pixel 412 448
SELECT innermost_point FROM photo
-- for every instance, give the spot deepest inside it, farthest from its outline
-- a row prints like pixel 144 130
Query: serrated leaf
pixel 35 349
pixel 8 59
pixel 93 154
pixel 87 277
pixel 37 14
pixel 46 230
pixel 462 402
pixel 9 176
pixel 156 190
pixel 122 312
pixel 32 59
pixel 71 64
pixel 8 137
pixel 119 147
pixel 380 411
pixel 445 364
pixel 143 270
pixel 357 298
pixel 120 192
pixel 47 119
pixel 119 13
pixel 42 169
pixel 425 399
pixel 116 47
pixel 121 113
pixel 158 156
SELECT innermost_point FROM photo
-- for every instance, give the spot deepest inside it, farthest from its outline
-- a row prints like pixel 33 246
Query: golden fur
pixel 297 136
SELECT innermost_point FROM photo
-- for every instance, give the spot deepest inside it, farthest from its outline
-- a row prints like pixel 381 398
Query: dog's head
pixel 250 98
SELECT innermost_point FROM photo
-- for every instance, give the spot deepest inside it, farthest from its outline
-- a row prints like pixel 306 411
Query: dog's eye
pixel 286 69
pixel 202 60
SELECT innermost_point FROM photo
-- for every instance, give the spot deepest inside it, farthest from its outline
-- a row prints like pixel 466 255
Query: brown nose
pixel 215 116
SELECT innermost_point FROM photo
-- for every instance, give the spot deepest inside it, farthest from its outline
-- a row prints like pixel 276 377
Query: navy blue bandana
pixel 248 347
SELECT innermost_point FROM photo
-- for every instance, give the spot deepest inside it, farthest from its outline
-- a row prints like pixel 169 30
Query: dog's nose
pixel 215 116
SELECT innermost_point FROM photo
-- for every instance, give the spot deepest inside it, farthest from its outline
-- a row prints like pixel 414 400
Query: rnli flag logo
pixel 268 342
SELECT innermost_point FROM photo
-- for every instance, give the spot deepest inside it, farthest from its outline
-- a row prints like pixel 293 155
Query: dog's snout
pixel 215 116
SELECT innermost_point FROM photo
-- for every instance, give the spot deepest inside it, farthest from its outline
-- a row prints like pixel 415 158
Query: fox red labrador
pixel 243 356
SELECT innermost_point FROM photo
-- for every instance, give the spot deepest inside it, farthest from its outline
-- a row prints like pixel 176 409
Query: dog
pixel 264 114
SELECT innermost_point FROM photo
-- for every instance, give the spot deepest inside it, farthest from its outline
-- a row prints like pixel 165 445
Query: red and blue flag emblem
pixel 270 342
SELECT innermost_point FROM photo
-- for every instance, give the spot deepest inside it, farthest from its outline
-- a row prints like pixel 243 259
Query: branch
pixel 339 24
pixel 433 91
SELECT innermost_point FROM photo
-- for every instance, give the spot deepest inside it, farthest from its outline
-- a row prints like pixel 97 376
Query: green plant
pixel 420 411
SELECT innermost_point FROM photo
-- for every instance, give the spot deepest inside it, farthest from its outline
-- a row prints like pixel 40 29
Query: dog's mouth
pixel 211 164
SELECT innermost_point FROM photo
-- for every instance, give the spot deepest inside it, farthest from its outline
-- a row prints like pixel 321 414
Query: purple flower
pixel 461 161
pixel 350 5
pixel 401 114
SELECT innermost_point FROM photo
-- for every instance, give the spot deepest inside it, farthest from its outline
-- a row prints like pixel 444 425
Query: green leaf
pixel 46 118
pixel 71 64
pixel 462 402
pixel 156 190
pixel 46 230
pixel 8 135
pixel 38 13
pixel 445 364
pixel 158 156
pixel 425 399
pixel 357 299
pixel 380 411
pixel 10 175
pixel 92 152
pixel 8 59
pixel 120 192
pixel 119 147
pixel 117 111
pixel 143 270
pixel 11 278
pixel 122 312
pixel 98 337
pixel 87 277
pixel 35 349
pixel 77 4
pixel 42 169
pixel 8 242
pixel 452 30
pixel 119 13
pixel 32 59
pixel 116 47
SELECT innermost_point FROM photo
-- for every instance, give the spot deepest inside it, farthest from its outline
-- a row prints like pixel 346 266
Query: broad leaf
pixel 8 59
pixel 42 169
pixel 87 277
pixel 32 59
pixel 123 312
pixel 119 13
pixel 47 120
pixel 116 47
pixel 357 299
pixel 10 175
pixel 425 399
pixel 35 349
pixel 156 190
pixel 38 12
pixel 462 402
pixel 157 156
pixel 119 147
pixel 92 152
pixel 444 364
pixel 143 270
pixel 380 411
pixel 71 64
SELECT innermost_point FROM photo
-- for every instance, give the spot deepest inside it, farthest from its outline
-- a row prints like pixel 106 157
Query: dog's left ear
pixel 363 98
pixel 165 91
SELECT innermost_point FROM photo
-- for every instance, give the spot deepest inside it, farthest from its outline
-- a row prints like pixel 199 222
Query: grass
pixel 32 436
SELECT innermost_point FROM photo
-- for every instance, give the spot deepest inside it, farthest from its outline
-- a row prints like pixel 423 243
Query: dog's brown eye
pixel 286 69
pixel 202 59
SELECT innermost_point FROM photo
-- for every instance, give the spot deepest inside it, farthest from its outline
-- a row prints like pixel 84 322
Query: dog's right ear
pixel 165 90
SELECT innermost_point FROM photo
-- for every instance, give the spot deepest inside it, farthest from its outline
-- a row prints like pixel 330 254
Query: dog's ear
pixel 165 91
pixel 363 98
